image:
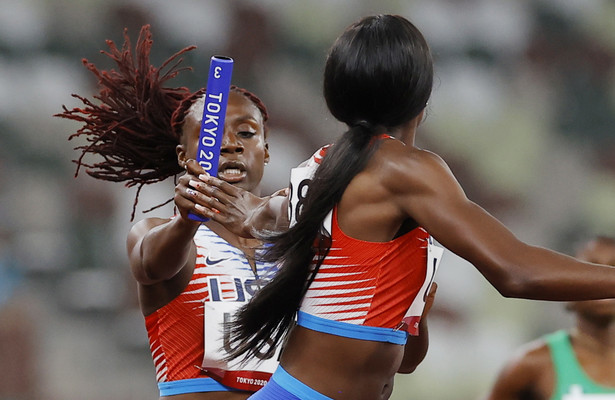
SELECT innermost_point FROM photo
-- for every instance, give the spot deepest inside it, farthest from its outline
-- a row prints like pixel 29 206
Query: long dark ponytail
pixel 378 75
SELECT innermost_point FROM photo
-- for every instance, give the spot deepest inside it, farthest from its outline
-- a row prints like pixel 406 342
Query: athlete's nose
pixel 231 143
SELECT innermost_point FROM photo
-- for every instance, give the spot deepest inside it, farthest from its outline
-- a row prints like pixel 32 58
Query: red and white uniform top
pixel 222 281
pixel 369 284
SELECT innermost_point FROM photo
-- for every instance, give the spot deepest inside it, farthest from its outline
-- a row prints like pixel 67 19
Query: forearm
pixel 438 204
pixel 165 248
pixel 517 269
pixel 542 274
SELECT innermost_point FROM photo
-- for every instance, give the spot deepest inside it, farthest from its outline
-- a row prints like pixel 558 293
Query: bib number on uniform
pixel 300 179
pixel 250 375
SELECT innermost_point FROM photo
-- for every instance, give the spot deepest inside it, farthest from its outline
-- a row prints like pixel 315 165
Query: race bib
pixel 413 315
pixel 250 375
pixel 300 179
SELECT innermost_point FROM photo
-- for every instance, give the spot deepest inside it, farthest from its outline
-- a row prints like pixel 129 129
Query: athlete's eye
pixel 246 134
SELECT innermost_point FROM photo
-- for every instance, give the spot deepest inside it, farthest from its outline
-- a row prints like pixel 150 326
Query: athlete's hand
pixel 184 197
pixel 213 198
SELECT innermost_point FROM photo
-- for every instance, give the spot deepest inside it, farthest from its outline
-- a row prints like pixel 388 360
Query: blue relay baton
pixel 214 112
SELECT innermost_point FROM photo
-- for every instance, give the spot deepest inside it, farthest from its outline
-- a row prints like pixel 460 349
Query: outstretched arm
pixel 424 187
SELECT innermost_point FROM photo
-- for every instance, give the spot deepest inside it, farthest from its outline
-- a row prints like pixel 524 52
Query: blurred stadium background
pixel 523 111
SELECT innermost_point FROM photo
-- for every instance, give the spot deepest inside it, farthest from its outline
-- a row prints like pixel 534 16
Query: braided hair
pixel 134 122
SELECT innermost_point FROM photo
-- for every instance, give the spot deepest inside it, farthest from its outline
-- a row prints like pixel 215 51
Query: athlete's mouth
pixel 232 172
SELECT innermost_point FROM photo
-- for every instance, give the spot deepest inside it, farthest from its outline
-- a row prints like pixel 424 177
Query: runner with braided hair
pixel 190 275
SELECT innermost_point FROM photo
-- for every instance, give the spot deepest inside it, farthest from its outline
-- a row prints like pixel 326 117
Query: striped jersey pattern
pixel 222 274
pixel 368 283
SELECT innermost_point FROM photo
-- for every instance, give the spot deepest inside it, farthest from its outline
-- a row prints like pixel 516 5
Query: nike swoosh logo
pixel 210 262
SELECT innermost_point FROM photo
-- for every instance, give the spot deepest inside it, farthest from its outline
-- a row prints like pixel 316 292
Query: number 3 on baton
pixel 212 124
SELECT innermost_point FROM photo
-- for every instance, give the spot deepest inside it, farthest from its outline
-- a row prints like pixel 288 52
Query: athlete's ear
pixel 267 156
pixel 181 155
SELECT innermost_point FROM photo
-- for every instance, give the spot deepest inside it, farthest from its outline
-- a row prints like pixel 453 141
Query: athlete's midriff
pixel 348 320
pixel 363 369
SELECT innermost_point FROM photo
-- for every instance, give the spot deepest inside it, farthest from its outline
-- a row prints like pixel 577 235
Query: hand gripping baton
pixel 212 125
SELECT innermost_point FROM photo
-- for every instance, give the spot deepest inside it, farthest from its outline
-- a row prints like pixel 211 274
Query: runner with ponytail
pixel 358 263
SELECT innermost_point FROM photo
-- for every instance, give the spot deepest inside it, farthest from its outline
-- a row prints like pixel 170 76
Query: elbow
pixel 522 273
pixel 509 286
pixel 518 284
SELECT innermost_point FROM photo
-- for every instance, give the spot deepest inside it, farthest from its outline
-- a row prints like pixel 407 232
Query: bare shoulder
pixel 534 355
pixel 533 360
pixel 408 168
pixel 527 374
